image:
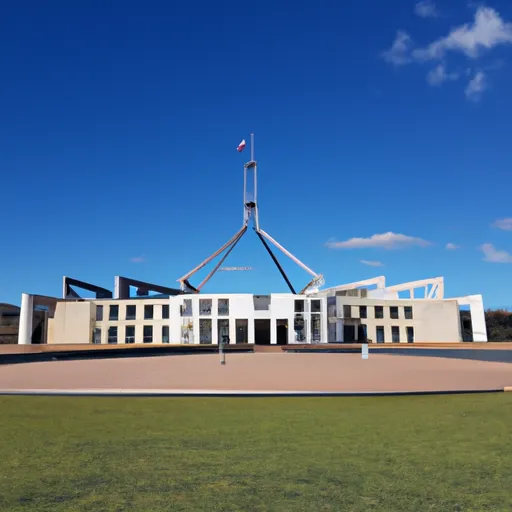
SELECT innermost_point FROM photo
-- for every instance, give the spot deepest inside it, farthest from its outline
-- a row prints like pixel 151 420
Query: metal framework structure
pixel 435 292
pixel 250 212
pixel 433 287
pixel 122 288
pixel 68 292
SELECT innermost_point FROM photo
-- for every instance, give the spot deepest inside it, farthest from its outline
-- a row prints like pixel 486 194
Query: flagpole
pixel 255 192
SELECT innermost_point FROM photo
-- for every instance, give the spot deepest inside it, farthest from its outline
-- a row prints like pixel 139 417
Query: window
pixel 316 329
pixel 395 334
pixel 130 312
pixel 362 333
pixel 347 311
pixel 165 333
pixel 129 336
pixel 187 332
pixel 99 313
pixel 205 307
pixel 223 307
pixel 148 312
pixel 165 311
pixel 114 313
pixel 205 331
pixel 186 308
pixel 379 312
pixel 96 335
pixel 410 334
pixel 331 307
pixel 223 330
pixel 393 312
pixel 380 334
pixel 148 333
pixel 299 306
pixel 316 306
pixel 408 312
pixel 363 313
pixel 299 326
pixel 112 334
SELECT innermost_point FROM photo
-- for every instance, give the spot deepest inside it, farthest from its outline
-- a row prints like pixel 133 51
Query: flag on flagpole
pixel 241 146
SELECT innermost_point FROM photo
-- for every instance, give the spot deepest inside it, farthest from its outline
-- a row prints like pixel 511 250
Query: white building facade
pixel 357 312
pixel 192 319
pixel 346 313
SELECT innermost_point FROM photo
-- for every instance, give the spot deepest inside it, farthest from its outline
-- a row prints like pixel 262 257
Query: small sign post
pixel 364 351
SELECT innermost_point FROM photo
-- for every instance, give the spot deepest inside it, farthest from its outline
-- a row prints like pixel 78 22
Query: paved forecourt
pixel 256 373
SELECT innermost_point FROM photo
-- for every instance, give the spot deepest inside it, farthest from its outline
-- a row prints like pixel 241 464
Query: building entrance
pixel 262 332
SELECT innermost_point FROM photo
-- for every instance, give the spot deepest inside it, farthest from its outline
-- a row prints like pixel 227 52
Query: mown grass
pixel 280 454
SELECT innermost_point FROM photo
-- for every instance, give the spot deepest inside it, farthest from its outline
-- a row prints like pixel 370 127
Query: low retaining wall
pixel 10 354
pixel 40 353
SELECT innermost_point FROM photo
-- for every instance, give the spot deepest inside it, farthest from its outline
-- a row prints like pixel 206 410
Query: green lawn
pixel 282 454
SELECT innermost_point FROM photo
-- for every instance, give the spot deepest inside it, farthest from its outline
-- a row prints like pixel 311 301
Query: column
pixel 476 308
pixel 339 331
pixel 26 319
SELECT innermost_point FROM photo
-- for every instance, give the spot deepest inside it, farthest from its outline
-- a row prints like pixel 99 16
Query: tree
pixel 499 325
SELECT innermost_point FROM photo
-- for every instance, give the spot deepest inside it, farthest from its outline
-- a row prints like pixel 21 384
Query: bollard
pixel 364 351
pixel 221 353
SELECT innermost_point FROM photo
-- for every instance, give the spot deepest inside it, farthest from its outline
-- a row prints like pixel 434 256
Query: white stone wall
pixel 432 320
pixel 241 307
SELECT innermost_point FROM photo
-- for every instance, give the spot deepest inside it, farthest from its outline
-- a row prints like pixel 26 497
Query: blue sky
pixel 382 134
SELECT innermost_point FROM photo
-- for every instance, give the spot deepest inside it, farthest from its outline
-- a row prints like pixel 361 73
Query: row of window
pixel 205 308
pixel 379 312
pixel 316 306
pixel 205 330
pixel 261 324
pixel 130 312
pixel 379 333
pixel 260 303
pixel 129 336
pixel 395 334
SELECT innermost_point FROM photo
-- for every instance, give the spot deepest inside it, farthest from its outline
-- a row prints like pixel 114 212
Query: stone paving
pixel 262 372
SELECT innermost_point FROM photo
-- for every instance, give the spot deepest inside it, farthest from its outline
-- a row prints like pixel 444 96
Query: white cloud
pixel 476 86
pixel 493 255
pixel 372 263
pixel 426 9
pixel 138 259
pixel 487 31
pixel 438 75
pixel 385 240
pixel 452 247
pixel 505 224
pixel 400 51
